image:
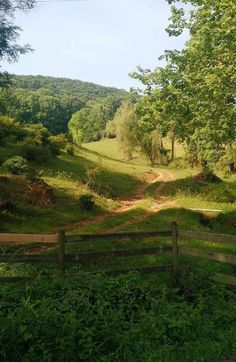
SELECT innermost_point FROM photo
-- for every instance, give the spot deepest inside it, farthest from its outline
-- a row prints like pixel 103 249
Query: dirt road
pixel 135 201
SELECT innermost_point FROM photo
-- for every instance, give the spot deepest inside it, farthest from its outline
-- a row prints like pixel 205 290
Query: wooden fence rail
pixel 218 238
pixel 62 258
pixel 118 235
pixel 223 258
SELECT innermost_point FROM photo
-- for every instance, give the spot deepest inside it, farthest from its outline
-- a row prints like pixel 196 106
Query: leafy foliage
pixel 98 318
pixel 52 101
pixel 10 128
pixel 9 49
pixel 86 201
pixel 35 152
pixel 89 123
pixel 194 94
pixel 124 126
pixel 16 165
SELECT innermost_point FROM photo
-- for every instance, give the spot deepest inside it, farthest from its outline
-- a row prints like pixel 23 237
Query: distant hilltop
pixel 57 85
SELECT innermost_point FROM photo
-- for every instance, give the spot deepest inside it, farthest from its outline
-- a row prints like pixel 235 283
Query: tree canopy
pixel 194 93
pixel 90 122
pixel 52 101
pixel 10 50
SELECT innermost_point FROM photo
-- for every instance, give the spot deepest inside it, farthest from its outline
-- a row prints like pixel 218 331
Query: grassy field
pixel 66 175
pixel 127 318
pixel 113 178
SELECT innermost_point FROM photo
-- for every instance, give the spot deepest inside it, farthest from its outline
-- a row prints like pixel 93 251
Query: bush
pixel 16 165
pixel 70 151
pixel 227 163
pixel 56 143
pixel 10 128
pixel 179 163
pixel 86 201
pixel 37 153
pixel 209 176
pixel 37 132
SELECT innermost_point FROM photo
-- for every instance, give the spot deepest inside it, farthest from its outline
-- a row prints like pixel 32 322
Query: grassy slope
pixel 188 194
pixel 64 175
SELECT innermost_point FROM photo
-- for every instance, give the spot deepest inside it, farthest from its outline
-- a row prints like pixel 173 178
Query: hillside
pixel 52 101
pixel 128 196
pixel 145 195
pixel 73 87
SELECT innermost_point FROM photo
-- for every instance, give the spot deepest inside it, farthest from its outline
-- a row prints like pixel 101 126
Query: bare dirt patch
pixel 135 201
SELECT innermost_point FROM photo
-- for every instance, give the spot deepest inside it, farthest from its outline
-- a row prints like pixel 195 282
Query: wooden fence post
pixel 174 246
pixel 61 252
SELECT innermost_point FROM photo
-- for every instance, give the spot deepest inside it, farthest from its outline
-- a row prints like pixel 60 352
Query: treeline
pixel 192 98
pixel 52 102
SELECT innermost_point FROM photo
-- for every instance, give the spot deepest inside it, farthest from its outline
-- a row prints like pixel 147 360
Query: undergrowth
pixel 126 318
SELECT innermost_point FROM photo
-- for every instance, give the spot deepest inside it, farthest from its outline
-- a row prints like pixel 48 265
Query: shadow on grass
pixel 129 162
pixel 216 192
pixel 107 183
pixel 34 219
pixel 225 223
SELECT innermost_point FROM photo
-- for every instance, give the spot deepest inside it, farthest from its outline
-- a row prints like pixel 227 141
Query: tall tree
pixel 209 71
pixel 9 32
pixel 194 94
pixel 89 123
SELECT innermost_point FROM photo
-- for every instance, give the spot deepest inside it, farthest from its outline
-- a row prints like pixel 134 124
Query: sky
pixel 98 41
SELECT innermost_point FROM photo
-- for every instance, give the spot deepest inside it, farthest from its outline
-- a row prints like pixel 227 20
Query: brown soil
pixel 134 202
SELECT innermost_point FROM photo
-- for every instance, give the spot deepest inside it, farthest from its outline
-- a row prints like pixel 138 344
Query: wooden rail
pixel 28 238
pixel 62 258
pixel 118 235
pixel 220 238
pixel 117 253
pixel 226 279
pixel 223 258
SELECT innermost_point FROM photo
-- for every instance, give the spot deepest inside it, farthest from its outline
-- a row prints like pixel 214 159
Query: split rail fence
pixel 61 239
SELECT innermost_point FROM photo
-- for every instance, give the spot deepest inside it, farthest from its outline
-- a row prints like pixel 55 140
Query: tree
pixel 209 62
pixel 193 95
pixel 89 123
pixel 125 128
pixel 9 33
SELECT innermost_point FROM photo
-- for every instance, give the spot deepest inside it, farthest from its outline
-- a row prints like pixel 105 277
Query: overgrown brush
pixel 99 318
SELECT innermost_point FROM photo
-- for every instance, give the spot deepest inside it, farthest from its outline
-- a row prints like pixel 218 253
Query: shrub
pixel 56 143
pixel 70 151
pixel 180 163
pixel 9 127
pixel 91 176
pixel 38 133
pixel 86 201
pixel 37 153
pixel 16 165
pixel 209 176
pixel 227 163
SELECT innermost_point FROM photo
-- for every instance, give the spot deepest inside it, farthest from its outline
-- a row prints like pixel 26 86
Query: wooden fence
pixel 61 239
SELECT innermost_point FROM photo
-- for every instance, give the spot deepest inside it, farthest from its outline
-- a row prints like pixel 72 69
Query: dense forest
pixel 52 101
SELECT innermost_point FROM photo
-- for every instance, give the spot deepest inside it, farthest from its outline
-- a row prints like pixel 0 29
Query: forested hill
pixel 85 90
pixel 52 101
